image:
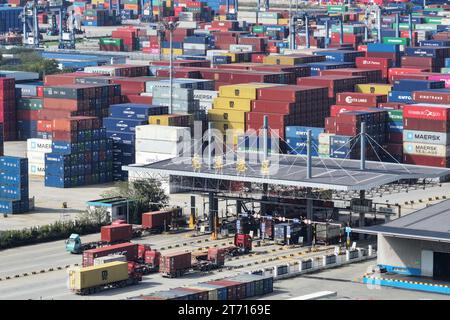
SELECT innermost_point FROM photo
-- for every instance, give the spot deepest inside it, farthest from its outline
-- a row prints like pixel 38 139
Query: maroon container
pixel 217 255
pixel 426 160
pixel 280 107
pixel 371 75
pixel 334 83
pixel 130 250
pixel 390 105
pixel 156 220
pixel 116 233
pixel 426 125
pixel 175 264
pixel 431 97
pixel 395 137
pixel 336 109
pixel 360 99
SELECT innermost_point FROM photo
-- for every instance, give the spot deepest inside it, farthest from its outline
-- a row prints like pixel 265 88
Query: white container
pixel 424 149
pixel 246 14
pixel 39 145
pixel 205 105
pixel 163 147
pixel 205 95
pixel 194 46
pixel 36 169
pixel 163 133
pixel 242 48
pixel 36 157
pixel 177 93
pixel 110 258
pixel 324 138
pixel 150 157
pixel 438 138
pixel 188 25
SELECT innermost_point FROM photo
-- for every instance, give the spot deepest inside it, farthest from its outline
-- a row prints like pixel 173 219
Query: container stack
pixel 402 90
pixel 14 194
pixel 120 127
pixel 10 19
pixel 231 106
pixel 296 139
pixel 36 150
pixel 156 143
pixel 27 112
pixel 233 288
pixel 98 18
pixel 8 108
pixel 289 105
pixel 81 154
pixel 205 99
pixel 425 134
pixel 324 144
pixel 383 50
pixel 430 58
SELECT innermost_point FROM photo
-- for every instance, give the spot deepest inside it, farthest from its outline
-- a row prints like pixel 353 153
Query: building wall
pixel 405 255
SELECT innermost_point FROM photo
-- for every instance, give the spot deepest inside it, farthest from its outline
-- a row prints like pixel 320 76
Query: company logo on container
pixel 375 63
pixel 425 113
pixel 429 97
pixel 349 99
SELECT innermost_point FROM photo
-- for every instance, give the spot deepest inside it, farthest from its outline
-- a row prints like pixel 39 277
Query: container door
pixel 441 266
pixel 427 263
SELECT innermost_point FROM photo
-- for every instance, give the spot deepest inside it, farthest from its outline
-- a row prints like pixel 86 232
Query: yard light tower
pixel 171 27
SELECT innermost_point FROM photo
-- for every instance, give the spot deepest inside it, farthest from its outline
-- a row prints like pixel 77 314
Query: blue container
pixel 14 192
pixel 316 67
pixel 434 43
pixel 196 39
pixel 341 55
pixel 58 182
pixel 298 146
pixel 122 125
pixel 221 59
pixel 447 62
pixel 126 138
pixel 14 179
pixel 13 164
pixel 65 147
pixel 175 45
pixel 383 47
pixel 300 132
pixel 400 96
pixel 135 111
pixel 416 85
pixel 10 206
pixel 424 52
pixel 395 127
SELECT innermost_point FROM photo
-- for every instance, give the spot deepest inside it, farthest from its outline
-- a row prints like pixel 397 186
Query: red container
pixel 371 75
pixel 390 105
pixel 360 99
pixel 290 93
pixel 426 160
pixel 152 257
pixel 395 137
pixel 334 83
pixel 116 233
pixel 28 115
pixel 426 111
pixel 336 109
pixel 175 264
pixel 422 62
pixel 431 97
pixel 268 106
pixel 426 125
pixel 49 114
pixel 44 125
pixel 397 71
pixel 156 220
pixel 131 98
pixel 130 250
pixel 217 255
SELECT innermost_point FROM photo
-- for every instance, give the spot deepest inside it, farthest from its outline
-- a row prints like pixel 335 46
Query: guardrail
pixel 302 266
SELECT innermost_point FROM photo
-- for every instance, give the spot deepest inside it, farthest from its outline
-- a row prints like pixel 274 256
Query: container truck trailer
pixel 88 280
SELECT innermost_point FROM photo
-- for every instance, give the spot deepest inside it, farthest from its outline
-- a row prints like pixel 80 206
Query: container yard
pixel 264 150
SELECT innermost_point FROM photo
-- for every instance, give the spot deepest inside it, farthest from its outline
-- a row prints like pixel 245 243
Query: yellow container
pixel 238 129
pixel 226 115
pixel 283 22
pixel 232 103
pixel 232 55
pixel 170 119
pixel 94 276
pixel 222 18
pixel 175 51
pixel 279 59
pixel 374 88
pixel 244 91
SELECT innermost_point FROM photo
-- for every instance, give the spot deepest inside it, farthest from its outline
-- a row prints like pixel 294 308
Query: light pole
pixel 171 27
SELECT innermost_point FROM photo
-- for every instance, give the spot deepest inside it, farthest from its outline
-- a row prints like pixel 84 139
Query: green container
pixel 111 41
pixel 259 29
pixel 445 70
pixel 130 1
pixel 433 9
pixel 433 20
pixel 394 40
pixel 29 104
pixel 337 8
pixel 403 26
pixel 426 26
pixel 395 115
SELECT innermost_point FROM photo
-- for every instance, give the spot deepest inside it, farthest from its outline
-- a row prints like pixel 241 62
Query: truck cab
pixel 73 244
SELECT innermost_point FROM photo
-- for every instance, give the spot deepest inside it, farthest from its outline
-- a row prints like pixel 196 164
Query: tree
pixel 99 216
pixel 145 195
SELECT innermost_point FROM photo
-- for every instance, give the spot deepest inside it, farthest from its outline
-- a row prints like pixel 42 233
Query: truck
pixel 288 233
pixel 88 280
pixel 155 222
pixel 176 264
pixel 328 233
pixel 112 234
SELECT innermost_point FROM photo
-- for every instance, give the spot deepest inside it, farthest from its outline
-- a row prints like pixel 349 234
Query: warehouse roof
pixel 336 174
pixel 431 223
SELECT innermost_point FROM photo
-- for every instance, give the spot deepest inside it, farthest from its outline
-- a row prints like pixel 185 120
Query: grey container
pixel 177 93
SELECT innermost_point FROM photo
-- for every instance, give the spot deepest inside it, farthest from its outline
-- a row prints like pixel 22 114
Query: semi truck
pixel 88 280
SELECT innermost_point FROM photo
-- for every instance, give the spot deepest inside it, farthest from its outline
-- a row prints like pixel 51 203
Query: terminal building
pixel 417 244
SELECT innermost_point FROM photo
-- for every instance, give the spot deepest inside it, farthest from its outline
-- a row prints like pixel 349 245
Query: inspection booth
pixel 117 207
